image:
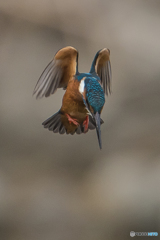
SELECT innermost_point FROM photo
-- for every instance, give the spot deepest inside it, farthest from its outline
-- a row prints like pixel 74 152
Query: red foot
pixel 85 124
pixel 72 120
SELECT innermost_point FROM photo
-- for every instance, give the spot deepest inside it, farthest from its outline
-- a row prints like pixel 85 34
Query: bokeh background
pixel 63 187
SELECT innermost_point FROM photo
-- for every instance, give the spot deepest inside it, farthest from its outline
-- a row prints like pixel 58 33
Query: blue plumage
pixel 94 94
pixel 80 76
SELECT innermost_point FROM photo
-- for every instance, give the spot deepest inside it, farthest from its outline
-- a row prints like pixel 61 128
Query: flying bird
pixel 84 97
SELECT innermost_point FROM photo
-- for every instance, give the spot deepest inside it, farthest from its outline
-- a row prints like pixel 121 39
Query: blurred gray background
pixel 63 187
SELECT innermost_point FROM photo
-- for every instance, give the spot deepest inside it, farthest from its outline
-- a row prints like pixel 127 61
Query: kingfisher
pixel 84 97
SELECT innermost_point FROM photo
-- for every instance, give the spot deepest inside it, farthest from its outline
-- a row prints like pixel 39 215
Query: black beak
pixel 97 119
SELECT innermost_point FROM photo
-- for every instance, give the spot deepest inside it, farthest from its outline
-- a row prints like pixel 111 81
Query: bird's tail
pixel 55 124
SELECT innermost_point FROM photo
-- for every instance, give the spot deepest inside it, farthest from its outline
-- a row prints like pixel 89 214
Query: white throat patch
pixel 81 86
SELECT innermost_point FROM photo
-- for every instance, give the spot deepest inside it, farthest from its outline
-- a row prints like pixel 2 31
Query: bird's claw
pixel 72 120
pixel 85 124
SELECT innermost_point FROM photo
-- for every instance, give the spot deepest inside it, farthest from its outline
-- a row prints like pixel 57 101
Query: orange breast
pixel 73 105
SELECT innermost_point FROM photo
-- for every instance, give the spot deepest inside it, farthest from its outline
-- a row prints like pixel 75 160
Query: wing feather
pixel 103 69
pixel 58 72
pixel 102 66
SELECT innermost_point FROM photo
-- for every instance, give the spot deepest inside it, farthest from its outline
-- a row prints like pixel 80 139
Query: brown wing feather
pixel 57 73
pixel 103 69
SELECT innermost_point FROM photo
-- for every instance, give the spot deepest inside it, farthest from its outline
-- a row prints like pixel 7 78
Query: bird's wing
pixel 102 66
pixel 58 72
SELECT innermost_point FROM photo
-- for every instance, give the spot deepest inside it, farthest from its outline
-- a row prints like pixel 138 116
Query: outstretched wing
pixel 58 72
pixel 102 66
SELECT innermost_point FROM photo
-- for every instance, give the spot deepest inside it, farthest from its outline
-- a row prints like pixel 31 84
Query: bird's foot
pixel 72 120
pixel 85 124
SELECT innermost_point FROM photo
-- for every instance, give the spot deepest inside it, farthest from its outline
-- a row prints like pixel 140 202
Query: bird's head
pixel 95 100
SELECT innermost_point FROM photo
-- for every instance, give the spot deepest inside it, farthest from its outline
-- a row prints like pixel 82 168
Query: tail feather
pixel 62 129
pixel 55 124
pixel 80 129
